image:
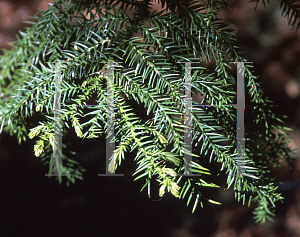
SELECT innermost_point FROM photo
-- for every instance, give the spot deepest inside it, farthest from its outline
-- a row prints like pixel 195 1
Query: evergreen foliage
pixel 85 35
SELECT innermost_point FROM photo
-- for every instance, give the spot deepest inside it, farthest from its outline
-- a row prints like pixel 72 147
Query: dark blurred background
pixel 34 205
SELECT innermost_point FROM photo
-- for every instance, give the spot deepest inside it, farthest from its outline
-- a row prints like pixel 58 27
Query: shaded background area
pixel 34 205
